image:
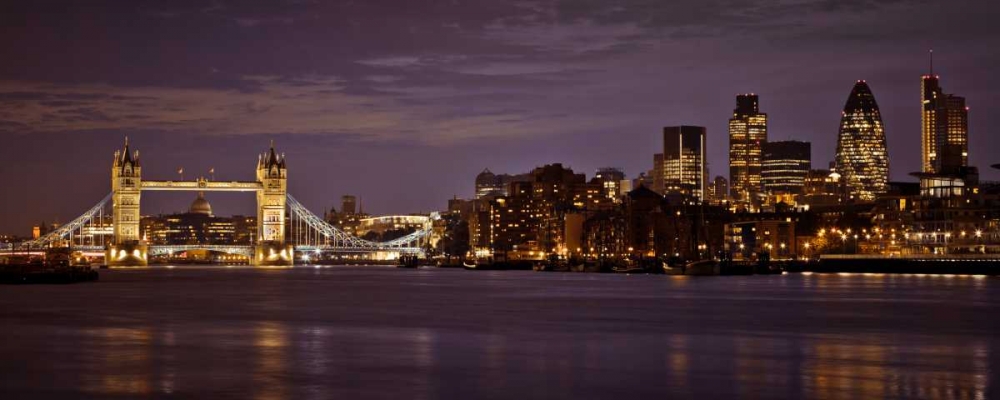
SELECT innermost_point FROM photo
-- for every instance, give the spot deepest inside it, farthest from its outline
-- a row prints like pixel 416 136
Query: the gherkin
pixel 862 157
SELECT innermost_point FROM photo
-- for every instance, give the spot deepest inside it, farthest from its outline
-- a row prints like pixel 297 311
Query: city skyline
pixel 88 107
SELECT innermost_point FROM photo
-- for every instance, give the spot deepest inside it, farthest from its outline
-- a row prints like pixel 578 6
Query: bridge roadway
pixel 247 251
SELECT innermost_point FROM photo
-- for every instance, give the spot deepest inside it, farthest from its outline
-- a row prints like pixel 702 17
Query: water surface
pixel 380 332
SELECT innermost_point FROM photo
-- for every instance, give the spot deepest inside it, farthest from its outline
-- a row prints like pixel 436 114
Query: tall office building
pixel 862 158
pixel 747 134
pixel 785 166
pixel 684 160
pixel 945 133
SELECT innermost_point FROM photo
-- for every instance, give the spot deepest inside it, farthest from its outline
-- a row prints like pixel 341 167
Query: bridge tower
pixel 127 248
pixel 271 248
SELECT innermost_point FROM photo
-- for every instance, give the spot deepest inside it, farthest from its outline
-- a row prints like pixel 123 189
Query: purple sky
pixel 403 102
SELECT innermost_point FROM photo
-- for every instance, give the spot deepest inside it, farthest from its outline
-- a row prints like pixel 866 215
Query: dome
pixel 486 177
pixel 200 205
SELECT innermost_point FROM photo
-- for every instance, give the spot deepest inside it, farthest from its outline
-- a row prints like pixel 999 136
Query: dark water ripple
pixel 374 332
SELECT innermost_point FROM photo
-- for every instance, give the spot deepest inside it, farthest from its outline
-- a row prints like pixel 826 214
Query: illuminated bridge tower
pixel 271 248
pixel 127 249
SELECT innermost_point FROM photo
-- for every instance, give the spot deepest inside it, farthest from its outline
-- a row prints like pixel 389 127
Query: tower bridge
pixel 284 226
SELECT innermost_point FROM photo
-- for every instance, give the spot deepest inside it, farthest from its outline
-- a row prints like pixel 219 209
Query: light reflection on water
pixel 121 366
pixel 388 333
pixel 271 370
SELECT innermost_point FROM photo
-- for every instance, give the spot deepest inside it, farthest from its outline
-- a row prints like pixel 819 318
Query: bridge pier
pixel 130 254
pixel 273 254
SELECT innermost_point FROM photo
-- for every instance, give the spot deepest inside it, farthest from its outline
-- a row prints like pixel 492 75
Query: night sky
pixel 403 102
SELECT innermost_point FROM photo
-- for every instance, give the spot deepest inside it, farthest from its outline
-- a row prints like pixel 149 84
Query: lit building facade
pixel 684 161
pixel 611 180
pixel 862 157
pixel 747 135
pixel 785 167
pixel 530 222
pixel 945 128
pixel 747 239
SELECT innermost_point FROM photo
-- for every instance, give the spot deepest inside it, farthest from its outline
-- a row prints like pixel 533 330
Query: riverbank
pixel 960 264
pixel 41 274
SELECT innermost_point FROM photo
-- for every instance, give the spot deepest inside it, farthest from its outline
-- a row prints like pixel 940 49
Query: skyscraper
pixel 684 160
pixel 785 166
pixel 862 158
pixel 747 133
pixel 945 133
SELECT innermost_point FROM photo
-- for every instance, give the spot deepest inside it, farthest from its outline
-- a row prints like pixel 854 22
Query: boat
pixel 477 263
pixel 628 267
pixel 701 267
pixel 693 268
pixel 672 270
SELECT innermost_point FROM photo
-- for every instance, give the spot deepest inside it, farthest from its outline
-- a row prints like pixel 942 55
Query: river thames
pixel 382 332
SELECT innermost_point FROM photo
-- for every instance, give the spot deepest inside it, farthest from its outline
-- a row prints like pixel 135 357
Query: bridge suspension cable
pixel 310 232
pixel 91 225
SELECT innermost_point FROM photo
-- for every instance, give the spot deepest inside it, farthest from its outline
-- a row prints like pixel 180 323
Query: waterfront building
pixel 749 239
pixel 684 161
pixel 648 224
pixel 747 135
pixel 862 157
pixel 945 127
pixel 784 169
pixel 480 231
pixel 959 220
pixel 530 222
